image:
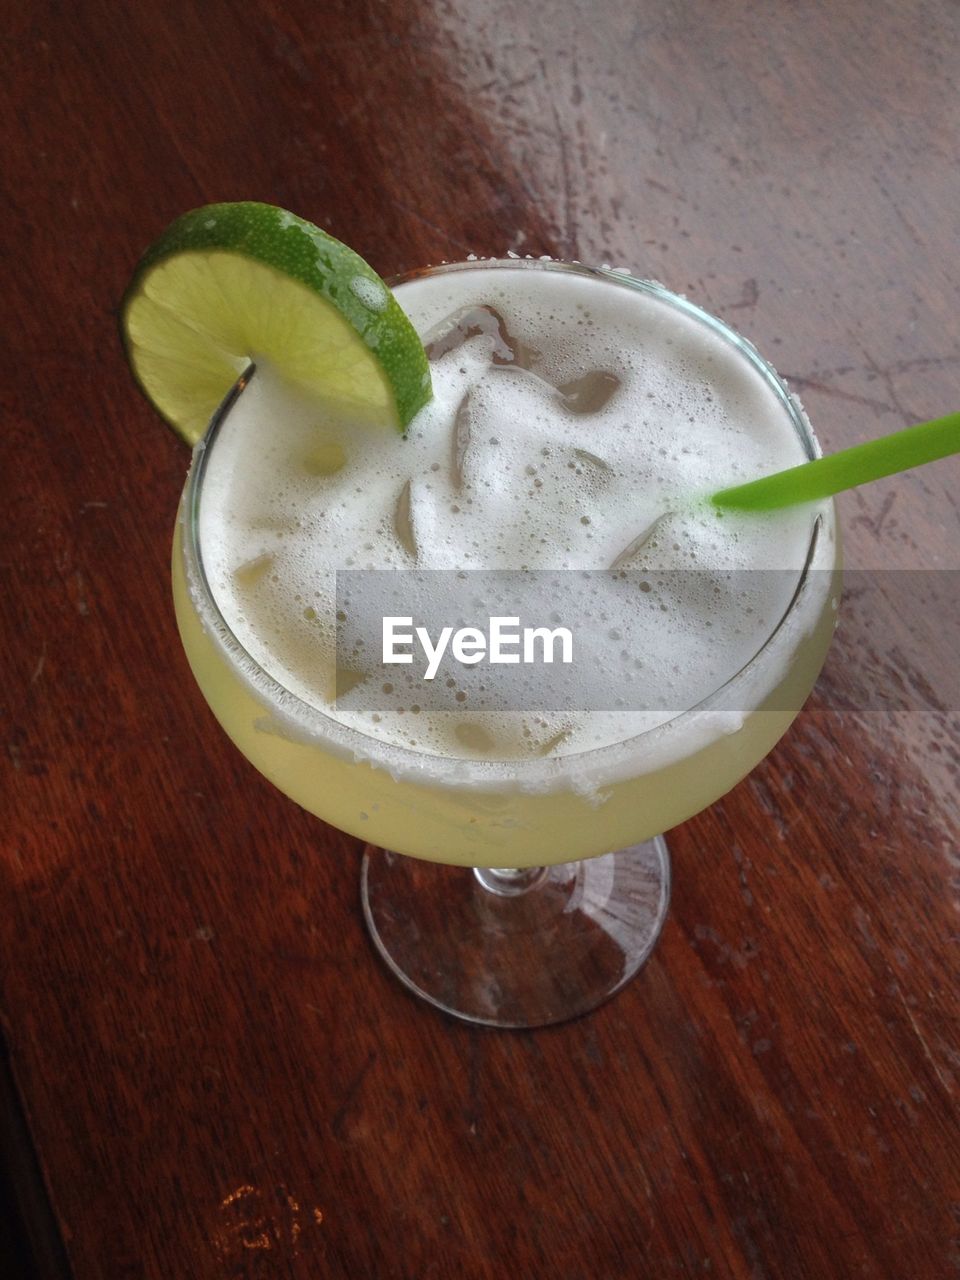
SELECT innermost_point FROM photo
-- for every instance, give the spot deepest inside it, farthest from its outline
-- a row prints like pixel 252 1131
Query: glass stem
pixel 509 881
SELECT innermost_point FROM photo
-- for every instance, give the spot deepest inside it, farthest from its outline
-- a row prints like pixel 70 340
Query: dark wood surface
pixel 218 1077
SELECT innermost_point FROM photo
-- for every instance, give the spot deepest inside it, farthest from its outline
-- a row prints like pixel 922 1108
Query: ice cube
pixel 486 322
pixel 553 743
pixel 590 392
pixel 460 440
pixel 346 679
pixel 403 521
pixel 638 543
pixel 474 737
pixel 592 461
pixel 248 574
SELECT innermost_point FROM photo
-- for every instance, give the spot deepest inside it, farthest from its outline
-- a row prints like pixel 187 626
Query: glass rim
pixel 340 738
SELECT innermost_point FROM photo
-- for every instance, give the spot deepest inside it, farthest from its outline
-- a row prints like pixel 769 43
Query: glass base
pixel 517 948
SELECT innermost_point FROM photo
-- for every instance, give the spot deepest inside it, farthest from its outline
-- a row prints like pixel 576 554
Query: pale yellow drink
pixel 521 790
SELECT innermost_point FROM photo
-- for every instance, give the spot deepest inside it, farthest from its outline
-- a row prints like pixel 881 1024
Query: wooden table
pixel 210 1069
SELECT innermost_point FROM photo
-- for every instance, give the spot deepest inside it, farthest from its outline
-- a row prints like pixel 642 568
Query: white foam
pixel 498 471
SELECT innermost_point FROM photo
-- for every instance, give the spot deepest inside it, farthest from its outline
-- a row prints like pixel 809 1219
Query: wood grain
pixel 219 1078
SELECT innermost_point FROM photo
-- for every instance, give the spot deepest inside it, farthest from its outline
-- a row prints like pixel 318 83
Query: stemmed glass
pixel 487 886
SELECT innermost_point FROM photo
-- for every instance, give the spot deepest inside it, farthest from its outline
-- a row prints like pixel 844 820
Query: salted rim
pixel 302 721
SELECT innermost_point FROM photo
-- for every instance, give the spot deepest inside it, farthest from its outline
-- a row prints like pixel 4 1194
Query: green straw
pixel 862 463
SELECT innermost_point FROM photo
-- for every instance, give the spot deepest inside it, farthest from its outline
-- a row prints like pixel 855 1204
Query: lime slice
pixel 231 284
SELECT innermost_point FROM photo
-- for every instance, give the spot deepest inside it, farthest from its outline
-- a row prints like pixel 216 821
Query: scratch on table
pixel 874 524
pixel 83 607
pixel 808 382
pixel 569 195
pixel 944 1079
pixel 441 231
pixel 338 1122
pixel 38 669
pixel 902 217
pixel 886 376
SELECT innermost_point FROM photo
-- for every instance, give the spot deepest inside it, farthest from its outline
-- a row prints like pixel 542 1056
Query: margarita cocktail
pixel 578 417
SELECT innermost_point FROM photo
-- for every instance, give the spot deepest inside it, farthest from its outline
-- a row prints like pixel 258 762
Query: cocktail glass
pixel 488 887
